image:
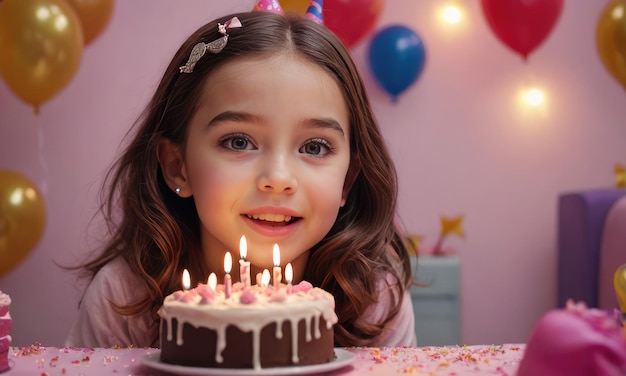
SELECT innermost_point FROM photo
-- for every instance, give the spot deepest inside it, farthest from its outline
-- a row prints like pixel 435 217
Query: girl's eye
pixel 316 147
pixel 236 142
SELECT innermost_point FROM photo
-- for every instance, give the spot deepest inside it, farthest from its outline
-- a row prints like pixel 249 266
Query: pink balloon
pixel 352 20
pixel 522 24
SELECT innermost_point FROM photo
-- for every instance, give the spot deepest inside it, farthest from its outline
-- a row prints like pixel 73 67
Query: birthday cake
pixel 254 327
pixel 5 330
pixel 576 341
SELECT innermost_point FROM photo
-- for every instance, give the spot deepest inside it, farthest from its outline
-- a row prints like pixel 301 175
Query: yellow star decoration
pixel 620 176
pixel 452 226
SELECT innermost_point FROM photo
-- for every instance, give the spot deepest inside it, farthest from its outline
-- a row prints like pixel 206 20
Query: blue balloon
pixel 396 57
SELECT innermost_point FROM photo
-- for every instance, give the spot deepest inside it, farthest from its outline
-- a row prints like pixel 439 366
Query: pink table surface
pixel 465 360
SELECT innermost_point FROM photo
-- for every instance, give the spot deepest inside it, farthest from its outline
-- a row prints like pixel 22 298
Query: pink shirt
pixel 98 325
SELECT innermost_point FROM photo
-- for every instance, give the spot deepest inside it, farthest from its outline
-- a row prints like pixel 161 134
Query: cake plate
pixel 343 358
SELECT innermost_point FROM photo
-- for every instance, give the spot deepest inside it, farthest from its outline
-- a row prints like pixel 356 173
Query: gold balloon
pixel 22 218
pixel 42 44
pixel 298 6
pixel 611 39
pixel 94 15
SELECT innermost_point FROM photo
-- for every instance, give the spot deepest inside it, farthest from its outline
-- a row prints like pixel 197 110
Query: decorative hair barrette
pixel 214 47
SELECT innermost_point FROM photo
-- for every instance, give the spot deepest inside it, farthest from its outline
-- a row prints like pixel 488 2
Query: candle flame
pixel 186 280
pixel 276 255
pixel 212 282
pixel 265 278
pixel 243 247
pixel 288 272
pixel 228 262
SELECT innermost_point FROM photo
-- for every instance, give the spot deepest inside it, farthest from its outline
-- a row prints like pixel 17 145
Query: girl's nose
pixel 277 176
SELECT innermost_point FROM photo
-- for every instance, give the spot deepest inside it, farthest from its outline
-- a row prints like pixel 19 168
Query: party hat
pixel 314 12
pixel 268 6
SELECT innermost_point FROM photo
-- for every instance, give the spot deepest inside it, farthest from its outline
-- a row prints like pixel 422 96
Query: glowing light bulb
pixel 534 97
pixel 619 283
pixel 617 13
pixel 452 14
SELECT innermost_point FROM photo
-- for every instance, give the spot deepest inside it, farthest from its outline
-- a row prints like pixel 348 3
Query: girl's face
pixel 266 157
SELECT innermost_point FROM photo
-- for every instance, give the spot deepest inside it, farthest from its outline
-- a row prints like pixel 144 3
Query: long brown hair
pixel 157 233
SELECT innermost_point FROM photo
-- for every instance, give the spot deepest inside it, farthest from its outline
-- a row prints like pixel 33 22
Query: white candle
pixel 276 271
pixel 265 278
pixel 289 277
pixel 244 266
pixel 212 281
pixel 186 280
pixel 228 264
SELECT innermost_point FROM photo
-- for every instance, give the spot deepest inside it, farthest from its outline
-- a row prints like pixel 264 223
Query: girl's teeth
pixel 270 217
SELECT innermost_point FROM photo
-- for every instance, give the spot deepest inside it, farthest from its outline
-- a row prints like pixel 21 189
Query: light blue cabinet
pixel 436 300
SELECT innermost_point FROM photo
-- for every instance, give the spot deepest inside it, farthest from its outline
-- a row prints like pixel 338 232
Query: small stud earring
pixel 177 190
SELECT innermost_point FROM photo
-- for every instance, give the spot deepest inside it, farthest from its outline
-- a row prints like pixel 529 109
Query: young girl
pixel 268 134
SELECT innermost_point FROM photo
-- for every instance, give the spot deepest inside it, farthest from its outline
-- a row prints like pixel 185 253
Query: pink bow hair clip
pixel 214 47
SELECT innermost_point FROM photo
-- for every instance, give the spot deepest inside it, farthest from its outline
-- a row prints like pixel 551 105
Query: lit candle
pixel 186 280
pixel 276 271
pixel 228 283
pixel 212 281
pixel 244 266
pixel 289 277
pixel 265 278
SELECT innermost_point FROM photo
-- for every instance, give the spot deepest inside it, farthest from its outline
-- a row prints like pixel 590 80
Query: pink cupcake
pixel 576 341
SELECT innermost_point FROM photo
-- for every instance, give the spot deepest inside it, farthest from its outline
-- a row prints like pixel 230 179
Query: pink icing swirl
pixel 178 295
pixel 206 293
pixel 303 286
pixel 247 297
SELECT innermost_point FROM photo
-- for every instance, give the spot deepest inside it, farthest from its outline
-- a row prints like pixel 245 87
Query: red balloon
pixel 351 20
pixel 522 24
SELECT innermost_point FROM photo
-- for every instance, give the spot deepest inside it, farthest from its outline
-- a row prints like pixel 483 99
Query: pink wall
pixel 461 143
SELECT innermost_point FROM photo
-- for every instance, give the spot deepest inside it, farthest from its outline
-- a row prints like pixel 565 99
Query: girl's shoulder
pixel 116 279
pixel 400 330
pixel 116 270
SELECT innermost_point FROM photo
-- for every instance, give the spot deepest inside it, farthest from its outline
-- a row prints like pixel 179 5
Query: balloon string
pixel 42 160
